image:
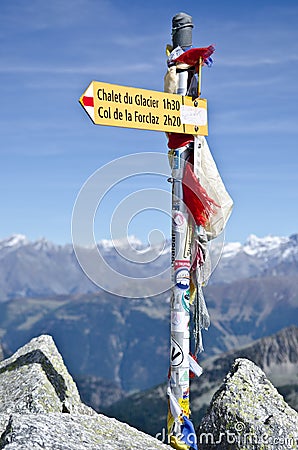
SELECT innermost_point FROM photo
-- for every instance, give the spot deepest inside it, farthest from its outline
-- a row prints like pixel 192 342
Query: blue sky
pixel 49 53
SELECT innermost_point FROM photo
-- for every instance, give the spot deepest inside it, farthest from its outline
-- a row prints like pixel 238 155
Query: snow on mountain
pixel 16 240
pixel 41 268
pixel 260 246
pixel 231 249
pixel 255 246
pixel 257 256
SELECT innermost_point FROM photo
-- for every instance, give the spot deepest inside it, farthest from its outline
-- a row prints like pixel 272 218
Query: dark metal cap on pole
pixel 182 30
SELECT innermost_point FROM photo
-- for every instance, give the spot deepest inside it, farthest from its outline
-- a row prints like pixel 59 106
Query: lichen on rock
pixel 40 407
pixel 35 379
pixel 247 413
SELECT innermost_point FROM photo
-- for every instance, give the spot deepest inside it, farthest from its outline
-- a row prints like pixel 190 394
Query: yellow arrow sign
pixel 129 107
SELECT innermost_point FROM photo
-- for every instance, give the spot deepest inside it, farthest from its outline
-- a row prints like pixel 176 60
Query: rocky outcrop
pixel 248 413
pixel 36 380
pixel 40 407
pixel 276 355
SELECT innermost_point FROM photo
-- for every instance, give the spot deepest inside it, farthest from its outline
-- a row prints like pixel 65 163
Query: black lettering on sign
pixel 171 121
pixel 171 104
pixel 176 353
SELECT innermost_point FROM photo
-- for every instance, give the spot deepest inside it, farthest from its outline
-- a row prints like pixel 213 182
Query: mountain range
pixel 41 268
pixel 252 293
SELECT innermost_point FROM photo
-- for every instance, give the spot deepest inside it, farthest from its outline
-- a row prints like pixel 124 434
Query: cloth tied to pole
pixel 185 439
pixel 195 368
pixel 206 171
pixel 195 197
pixel 188 433
pixel 195 56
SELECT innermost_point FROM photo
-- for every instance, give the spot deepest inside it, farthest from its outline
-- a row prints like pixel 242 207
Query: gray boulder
pixel 248 413
pixel 40 407
pixel 36 380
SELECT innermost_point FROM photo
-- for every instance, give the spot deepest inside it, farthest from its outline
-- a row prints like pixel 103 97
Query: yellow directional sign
pixel 129 107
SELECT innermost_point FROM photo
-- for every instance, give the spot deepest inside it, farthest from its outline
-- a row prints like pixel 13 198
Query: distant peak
pixel 14 241
pixel 269 239
pixel 43 244
pixel 294 238
pixel 231 249
pixel 254 244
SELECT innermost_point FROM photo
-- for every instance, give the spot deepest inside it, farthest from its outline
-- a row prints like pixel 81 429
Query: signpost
pixel 178 383
pixel 180 116
pixel 129 107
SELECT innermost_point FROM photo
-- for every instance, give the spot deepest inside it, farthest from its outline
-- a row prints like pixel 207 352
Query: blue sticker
pixel 182 278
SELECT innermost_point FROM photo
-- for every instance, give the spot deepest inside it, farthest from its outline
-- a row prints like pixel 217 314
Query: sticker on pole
pixel 176 353
pixel 182 273
pixel 179 321
pixel 179 221
pixel 183 377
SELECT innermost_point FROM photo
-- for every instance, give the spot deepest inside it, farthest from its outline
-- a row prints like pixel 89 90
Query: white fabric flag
pixel 174 405
pixel 207 173
pixel 194 366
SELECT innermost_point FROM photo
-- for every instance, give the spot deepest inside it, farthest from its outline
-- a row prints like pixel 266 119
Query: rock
pixel 40 407
pixel 248 413
pixel 35 379
pixel 54 431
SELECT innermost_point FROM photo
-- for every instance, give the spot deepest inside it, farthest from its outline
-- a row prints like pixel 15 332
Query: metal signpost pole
pixel 178 388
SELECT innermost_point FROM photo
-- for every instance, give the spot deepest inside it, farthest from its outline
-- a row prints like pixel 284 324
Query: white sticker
pixel 183 377
pixel 179 321
pixel 177 356
pixel 179 221
pixel 191 115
